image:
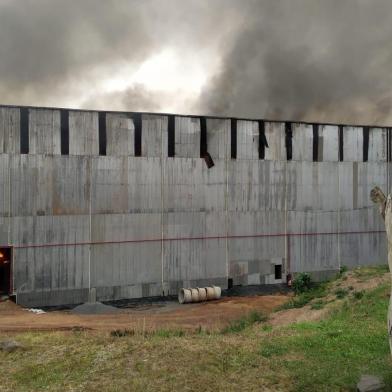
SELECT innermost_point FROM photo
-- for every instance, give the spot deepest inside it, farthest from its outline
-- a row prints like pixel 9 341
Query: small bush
pixel 244 322
pixel 358 294
pixel 343 269
pixel 302 299
pixel 341 293
pixel 302 283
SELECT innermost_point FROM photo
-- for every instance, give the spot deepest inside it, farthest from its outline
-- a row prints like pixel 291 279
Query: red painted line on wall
pixel 221 237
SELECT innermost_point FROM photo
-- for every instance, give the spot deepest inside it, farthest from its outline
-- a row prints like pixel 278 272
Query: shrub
pixel 341 293
pixel 302 283
pixel 244 322
pixel 358 294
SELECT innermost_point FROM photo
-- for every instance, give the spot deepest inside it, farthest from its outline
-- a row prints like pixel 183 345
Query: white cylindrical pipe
pixel 218 291
pixel 184 296
pixel 202 294
pixel 199 294
pixel 195 295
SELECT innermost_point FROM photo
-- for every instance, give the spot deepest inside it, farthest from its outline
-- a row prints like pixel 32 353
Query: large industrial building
pixel 113 205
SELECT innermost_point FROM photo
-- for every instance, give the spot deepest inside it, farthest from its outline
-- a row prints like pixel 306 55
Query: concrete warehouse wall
pixel 121 205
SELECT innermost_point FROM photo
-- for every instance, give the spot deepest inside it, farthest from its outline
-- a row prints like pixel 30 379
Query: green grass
pixel 244 322
pixel 250 355
pixel 300 300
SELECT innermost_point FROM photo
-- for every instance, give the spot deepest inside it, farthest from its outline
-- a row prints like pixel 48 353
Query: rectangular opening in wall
pixel 278 271
pixel 315 142
pixel 289 141
pixel 365 144
pixel 230 283
pixel 341 157
pixel 233 138
pixel 24 131
pixel 5 272
pixel 137 122
pixel 203 137
pixel 64 120
pixel 263 143
pixel 171 136
pixel 102 132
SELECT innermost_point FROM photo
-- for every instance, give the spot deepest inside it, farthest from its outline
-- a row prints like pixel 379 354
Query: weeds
pixel 341 293
pixel 244 322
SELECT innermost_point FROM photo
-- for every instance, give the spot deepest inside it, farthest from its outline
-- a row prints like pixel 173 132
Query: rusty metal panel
pixel 44 131
pixel 353 144
pixel 275 134
pixel 377 145
pixel 328 143
pixel 302 142
pixel 247 139
pixel 83 133
pixel 154 135
pixel 219 138
pixel 187 137
pixel 9 130
pixel 120 134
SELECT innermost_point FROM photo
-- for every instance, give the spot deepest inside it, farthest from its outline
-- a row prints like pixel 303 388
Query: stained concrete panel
pixel 353 144
pixel 302 142
pixel 247 139
pixel 83 133
pixel 187 137
pixel 219 138
pixel 275 134
pixel 377 145
pixel 120 135
pixel 328 143
pixel 44 131
pixel 5 196
pixel 154 135
pixel 312 241
pixel 312 186
pixel 9 130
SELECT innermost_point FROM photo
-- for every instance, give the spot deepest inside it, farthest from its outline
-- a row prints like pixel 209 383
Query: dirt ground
pixel 209 315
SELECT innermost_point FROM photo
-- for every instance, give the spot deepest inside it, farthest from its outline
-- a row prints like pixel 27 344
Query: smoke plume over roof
pixel 314 60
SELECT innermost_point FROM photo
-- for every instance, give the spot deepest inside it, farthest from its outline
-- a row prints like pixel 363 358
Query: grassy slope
pixel 329 355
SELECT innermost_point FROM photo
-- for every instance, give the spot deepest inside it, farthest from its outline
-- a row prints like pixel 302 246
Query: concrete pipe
pixel 199 294
pixel 202 294
pixel 184 296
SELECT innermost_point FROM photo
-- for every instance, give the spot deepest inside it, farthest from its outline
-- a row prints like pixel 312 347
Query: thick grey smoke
pixel 308 59
pixel 319 60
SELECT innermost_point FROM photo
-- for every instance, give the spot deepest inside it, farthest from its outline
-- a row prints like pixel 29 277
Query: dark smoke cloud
pixel 319 60
pixel 308 59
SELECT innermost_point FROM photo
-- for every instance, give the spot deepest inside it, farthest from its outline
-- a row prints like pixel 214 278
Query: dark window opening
pixel 203 137
pixel 233 138
pixel 137 122
pixel 24 131
pixel 230 283
pixel 102 133
pixel 315 142
pixel 64 135
pixel 365 144
pixel 5 271
pixel 341 157
pixel 171 136
pixel 263 143
pixel 278 272
pixel 289 141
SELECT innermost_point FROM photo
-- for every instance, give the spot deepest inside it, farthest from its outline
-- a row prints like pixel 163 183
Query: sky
pixel 313 60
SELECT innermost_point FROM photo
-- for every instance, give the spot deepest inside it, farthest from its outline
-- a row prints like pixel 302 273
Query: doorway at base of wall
pixel 5 273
